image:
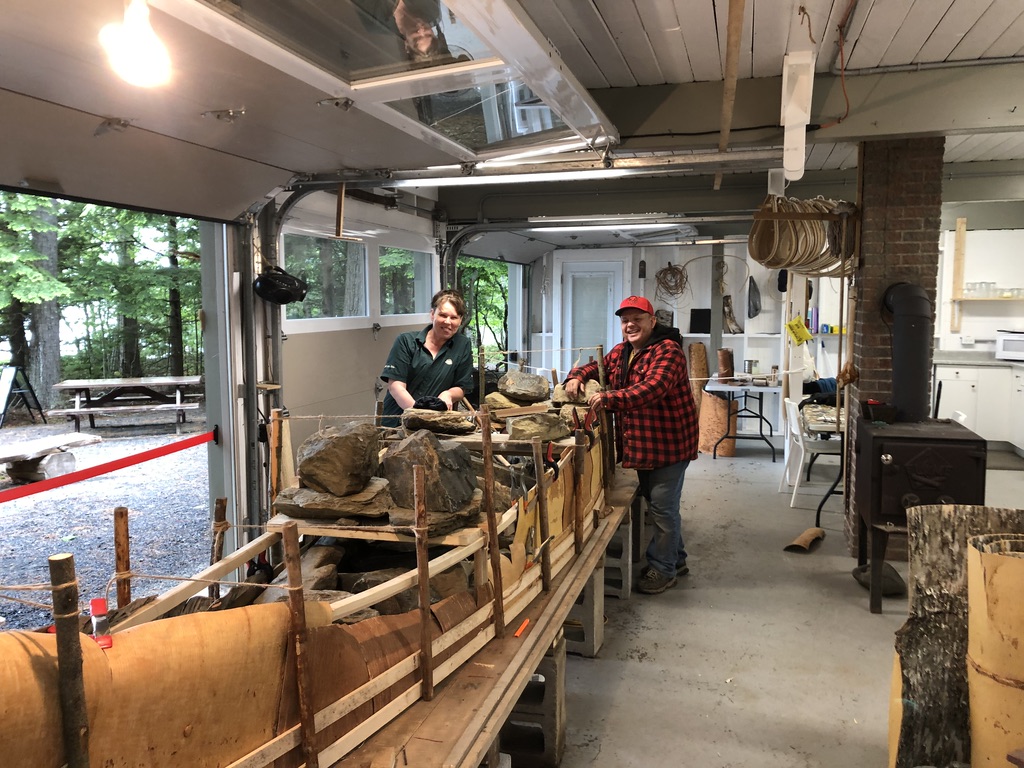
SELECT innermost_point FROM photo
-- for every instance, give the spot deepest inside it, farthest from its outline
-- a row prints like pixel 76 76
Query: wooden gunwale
pixel 570 557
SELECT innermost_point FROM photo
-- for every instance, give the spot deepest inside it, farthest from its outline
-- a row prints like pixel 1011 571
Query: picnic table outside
pixel 93 397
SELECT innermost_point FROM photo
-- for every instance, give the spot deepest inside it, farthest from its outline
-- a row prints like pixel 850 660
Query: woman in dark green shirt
pixel 434 362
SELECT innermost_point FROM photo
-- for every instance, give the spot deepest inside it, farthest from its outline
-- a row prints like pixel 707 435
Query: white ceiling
pixel 656 69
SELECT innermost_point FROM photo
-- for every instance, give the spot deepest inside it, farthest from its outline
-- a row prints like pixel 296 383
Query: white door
pixel 591 290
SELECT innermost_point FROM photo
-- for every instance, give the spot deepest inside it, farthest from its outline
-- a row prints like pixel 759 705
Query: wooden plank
pixel 179 594
pixel 959 252
pixel 139 381
pixel 41 446
pixel 349 605
pixel 661 23
pixel 522 410
pixel 632 40
pixel 342 530
pixel 108 409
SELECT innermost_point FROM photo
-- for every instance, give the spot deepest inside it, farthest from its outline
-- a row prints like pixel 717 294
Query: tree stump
pixel 931 714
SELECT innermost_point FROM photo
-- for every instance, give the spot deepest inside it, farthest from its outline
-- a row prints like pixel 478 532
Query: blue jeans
pixel 663 487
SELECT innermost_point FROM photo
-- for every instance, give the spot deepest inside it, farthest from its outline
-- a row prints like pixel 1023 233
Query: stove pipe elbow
pixel 911 349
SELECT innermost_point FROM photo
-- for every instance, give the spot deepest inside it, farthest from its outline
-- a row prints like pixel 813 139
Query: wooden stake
pixel 484 417
pixel 423 578
pixel 481 370
pixel 287 470
pixel 542 513
pixel 220 517
pixel 274 448
pixel 579 456
pixel 122 556
pixel 607 441
pixel 70 683
pixel 297 609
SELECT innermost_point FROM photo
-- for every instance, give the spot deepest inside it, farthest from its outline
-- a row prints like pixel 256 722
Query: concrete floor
pixel 759 657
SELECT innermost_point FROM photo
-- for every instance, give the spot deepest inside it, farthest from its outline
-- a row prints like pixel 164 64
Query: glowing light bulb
pixel 135 53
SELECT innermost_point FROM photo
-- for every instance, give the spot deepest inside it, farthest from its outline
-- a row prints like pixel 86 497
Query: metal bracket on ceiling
pixel 224 115
pixel 112 124
pixel 340 102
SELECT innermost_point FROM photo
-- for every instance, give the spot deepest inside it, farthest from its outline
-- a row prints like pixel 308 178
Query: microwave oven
pixel 1010 345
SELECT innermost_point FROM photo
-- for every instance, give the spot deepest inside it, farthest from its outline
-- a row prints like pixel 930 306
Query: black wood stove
pixel 906 464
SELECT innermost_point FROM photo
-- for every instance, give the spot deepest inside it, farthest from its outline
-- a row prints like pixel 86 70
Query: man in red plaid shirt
pixel 656 427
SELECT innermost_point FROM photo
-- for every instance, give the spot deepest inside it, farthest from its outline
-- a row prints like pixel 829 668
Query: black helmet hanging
pixel 277 286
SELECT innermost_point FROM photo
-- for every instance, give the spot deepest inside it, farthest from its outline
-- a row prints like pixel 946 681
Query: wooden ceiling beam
pixel 734 34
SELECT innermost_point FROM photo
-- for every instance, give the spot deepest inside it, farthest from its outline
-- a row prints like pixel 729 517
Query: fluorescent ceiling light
pixel 511 178
pixel 598 218
pixel 135 52
pixel 599 228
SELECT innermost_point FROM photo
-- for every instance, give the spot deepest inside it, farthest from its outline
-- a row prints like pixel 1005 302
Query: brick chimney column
pixel 900 199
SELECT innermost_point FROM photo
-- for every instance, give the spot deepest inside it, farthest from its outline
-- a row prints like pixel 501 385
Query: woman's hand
pixel 446 397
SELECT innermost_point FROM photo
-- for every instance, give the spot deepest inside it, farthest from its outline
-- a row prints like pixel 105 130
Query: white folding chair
pixel 802 449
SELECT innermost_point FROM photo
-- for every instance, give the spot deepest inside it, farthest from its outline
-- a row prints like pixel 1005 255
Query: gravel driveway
pixel 168 519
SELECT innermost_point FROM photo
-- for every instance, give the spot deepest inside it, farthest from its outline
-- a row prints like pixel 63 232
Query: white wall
pixel 989 256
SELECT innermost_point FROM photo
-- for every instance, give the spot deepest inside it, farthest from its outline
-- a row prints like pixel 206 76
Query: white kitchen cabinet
pixel 1016 419
pixel 979 392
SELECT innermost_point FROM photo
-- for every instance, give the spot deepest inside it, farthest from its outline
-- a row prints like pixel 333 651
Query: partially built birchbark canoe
pixel 221 688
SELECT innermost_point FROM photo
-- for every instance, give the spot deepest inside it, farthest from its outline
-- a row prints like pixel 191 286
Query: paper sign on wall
pixel 798 331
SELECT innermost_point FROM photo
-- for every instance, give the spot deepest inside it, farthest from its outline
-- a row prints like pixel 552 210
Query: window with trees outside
pixel 383 279
pixel 404 281
pixel 335 271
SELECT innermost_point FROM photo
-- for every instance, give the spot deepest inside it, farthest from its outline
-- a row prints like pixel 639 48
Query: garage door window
pixel 335 271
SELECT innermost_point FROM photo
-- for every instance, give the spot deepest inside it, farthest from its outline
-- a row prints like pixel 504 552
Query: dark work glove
pixel 431 404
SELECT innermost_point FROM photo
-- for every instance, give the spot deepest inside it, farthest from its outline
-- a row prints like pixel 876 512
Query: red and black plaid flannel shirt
pixel 656 419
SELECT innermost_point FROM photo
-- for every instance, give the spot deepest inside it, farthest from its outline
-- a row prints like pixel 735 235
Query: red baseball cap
pixel 635 302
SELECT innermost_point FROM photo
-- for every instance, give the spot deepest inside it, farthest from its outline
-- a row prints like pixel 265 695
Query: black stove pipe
pixel 911 349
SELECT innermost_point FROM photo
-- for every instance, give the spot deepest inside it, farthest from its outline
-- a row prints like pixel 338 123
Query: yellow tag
pixel 798 331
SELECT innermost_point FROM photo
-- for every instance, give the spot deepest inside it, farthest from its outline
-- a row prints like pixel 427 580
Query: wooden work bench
pixel 457 728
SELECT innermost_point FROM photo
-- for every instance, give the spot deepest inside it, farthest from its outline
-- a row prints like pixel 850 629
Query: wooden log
pixel 484 419
pixel 423 581
pixel 220 526
pixel 297 612
pixel 71 684
pixel 122 556
pixel 542 513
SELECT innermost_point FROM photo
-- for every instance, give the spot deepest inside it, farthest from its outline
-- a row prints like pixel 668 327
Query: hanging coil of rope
pixel 672 281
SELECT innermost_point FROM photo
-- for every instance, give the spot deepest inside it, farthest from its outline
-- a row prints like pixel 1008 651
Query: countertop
pixel 970 357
